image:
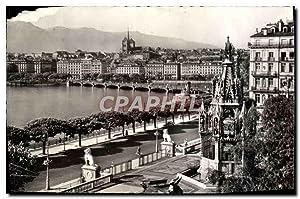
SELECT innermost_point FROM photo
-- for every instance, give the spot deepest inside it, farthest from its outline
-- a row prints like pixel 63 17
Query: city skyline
pixel 143 19
pixel 150 100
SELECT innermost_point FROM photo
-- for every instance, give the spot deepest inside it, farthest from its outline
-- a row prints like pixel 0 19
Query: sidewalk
pixel 54 149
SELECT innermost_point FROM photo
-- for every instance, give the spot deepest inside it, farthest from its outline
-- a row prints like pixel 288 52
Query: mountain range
pixel 24 37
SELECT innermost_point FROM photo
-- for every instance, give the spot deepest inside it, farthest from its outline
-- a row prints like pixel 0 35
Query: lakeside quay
pixel 66 165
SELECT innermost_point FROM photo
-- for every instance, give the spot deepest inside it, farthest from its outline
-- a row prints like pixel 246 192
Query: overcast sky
pixel 201 24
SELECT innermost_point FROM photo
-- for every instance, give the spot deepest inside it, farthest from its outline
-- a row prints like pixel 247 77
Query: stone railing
pixel 86 186
pixel 188 147
pixel 135 163
pixel 108 173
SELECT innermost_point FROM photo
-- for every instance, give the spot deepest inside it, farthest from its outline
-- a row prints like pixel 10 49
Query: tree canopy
pixel 269 151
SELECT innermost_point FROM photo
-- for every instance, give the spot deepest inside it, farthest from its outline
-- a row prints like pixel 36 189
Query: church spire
pixel 128 33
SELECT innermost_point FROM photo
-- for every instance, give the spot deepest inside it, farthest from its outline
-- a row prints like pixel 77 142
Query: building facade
pixel 154 70
pixel 197 68
pixel 129 68
pixel 172 71
pixel 33 66
pixel 272 66
pixel 78 67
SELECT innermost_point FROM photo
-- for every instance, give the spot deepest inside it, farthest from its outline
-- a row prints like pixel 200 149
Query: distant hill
pixel 27 38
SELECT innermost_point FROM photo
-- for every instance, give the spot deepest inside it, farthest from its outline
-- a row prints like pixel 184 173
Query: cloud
pixel 33 16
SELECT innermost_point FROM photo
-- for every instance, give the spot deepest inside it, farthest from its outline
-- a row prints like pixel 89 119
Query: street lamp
pixel 64 141
pixel 47 163
pixel 156 140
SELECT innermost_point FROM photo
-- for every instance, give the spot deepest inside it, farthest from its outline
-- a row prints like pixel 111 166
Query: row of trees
pixel 269 160
pixel 38 78
pixel 198 77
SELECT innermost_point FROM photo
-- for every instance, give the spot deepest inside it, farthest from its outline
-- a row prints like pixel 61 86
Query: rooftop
pixel 276 29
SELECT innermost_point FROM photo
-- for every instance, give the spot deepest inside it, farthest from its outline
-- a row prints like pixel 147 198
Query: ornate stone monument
pixel 167 146
pixel 90 170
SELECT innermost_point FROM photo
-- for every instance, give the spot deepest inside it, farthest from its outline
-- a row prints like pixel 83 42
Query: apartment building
pixel 78 67
pixel 154 69
pixel 272 66
pixel 172 70
pixel 129 68
pixel 197 68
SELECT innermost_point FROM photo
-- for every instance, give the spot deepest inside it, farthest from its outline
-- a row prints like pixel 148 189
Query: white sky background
pixel 201 24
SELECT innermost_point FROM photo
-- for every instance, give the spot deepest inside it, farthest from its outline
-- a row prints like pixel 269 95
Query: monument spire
pixel 128 33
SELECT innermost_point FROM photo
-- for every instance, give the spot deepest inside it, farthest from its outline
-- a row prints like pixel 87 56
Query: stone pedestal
pixel 168 148
pixel 90 172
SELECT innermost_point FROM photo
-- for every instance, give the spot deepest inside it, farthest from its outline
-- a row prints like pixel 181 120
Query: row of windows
pixel 271 54
pixel 263 82
pixel 284 67
pixel 201 72
pixel 273 42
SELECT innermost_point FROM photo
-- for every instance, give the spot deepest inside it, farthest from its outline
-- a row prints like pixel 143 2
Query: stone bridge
pixel 197 87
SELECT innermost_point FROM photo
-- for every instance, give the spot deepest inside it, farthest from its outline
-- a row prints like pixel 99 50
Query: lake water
pixel 28 103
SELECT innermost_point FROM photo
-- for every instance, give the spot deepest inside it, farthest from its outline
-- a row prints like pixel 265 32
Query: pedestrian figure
pixel 138 151
pixel 126 132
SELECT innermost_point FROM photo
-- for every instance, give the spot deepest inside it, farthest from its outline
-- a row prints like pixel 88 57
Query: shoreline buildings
pixel 158 64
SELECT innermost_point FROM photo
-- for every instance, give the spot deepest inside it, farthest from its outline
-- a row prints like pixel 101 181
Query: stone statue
pixel 174 188
pixel 89 159
pixel 166 136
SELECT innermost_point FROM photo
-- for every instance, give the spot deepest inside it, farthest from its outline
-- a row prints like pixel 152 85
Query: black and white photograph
pixel 150 100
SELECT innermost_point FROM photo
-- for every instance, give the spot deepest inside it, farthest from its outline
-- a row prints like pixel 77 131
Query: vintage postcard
pixel 150 100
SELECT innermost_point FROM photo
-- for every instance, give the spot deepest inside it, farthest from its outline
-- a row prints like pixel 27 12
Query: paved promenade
pixel 66 165
pixel 54 149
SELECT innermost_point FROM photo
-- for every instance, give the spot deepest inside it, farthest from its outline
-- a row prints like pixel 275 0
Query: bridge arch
pixel 76 83
pixel 112 86
pixel 88 84
pixel 126 87
pixel 159 90
pixel 99 85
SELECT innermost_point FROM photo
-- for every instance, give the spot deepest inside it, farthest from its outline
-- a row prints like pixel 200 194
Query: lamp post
pixel 156 140
pixel 64 141
pixel 47 163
